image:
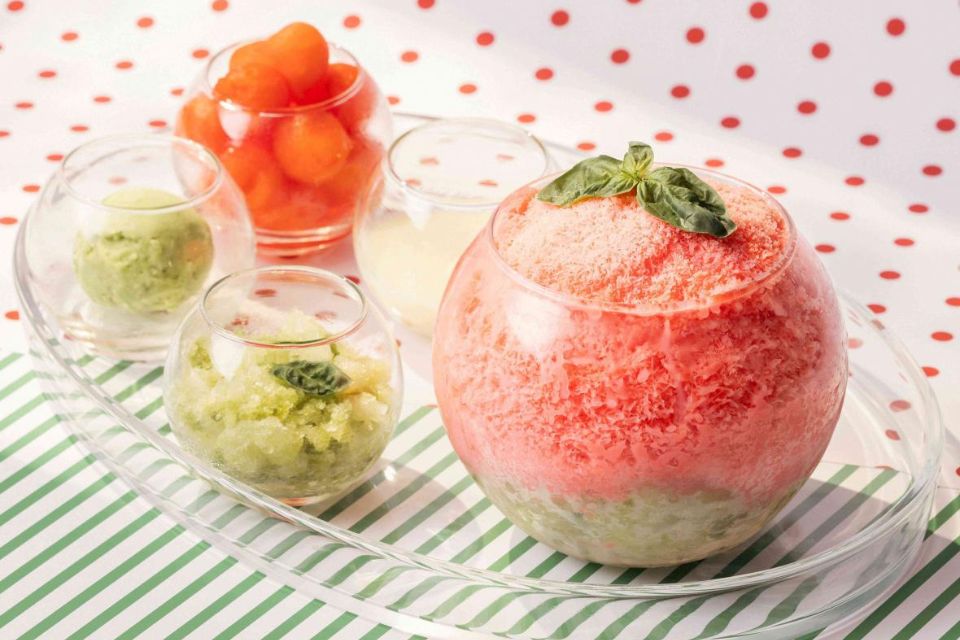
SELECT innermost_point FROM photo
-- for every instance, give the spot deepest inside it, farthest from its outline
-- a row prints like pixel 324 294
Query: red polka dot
pixel 15 5
pixel 176 91
pixel 896 26
pixel 425 4
pixel 953 301
pixel 730 122
pixel 890 275
pixel 933 372
pixel 932 170
pixel 663 136
pixel 745 71
pixel 351 22
pixel 619 56
pixel 145 22
pixel 883 88
pixel 393 99
pixel 825 248
pixel 777 189
pixel 265 293
pixel 807 107
pixel 946 124
pixel 485 38
pixel 13 314
pixel 820 50
pixel 47 73
pixel 942 336
pixel 543 73
pixel 854 343
pixel 219 5
pixel 157 123
pixel 4 133
pixel 955 67
pixel 101 99
pixel 903 242
pixel 586 146
pixel 79 128
pixel 695 35
pixel 31 188
pixel 200 54
pixel 792 152
pixel 409 56
pixel 69 36
pixel 854 181
pixel 758 10
pixel 468 88
pixel 680 91
pixel 8 220
pixel 24 105
pixel 899 405
pixel 603 106
pixel 918 208
pixel 560 18
pixel 124 64
pixel 526 118
pixel 840 215
pixel 713 162
pixel 876 308
pixel 54 157
pixel 869 139
pixel 893 435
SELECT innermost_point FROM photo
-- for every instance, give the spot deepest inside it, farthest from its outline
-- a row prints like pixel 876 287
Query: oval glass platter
pixel 418 547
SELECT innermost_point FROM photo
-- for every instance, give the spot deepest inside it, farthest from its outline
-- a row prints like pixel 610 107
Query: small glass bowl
pixel 285 379
pixel 443 180
pixel 639 434
pixel 127 233
pixel 295 209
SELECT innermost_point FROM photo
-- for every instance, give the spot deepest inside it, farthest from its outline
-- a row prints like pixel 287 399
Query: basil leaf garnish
pixel 598 177
pixel 679 197
pixel 674 195
pixel 313 378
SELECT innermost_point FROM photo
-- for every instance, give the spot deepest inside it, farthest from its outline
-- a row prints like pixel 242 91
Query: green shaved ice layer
pixel 650 528
pixel 279 439
pixel 144 263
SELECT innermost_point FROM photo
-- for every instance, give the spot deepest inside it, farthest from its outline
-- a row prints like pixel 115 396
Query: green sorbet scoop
pixel 149 262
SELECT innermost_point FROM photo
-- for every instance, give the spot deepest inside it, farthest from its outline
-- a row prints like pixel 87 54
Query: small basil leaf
pixel 680 198
pixel 313 378
pixel 593 177
pixel 637 160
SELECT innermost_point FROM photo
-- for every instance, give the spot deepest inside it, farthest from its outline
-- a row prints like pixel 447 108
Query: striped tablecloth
pixel 865 93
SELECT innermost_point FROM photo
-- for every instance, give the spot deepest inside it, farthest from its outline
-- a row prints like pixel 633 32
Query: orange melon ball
pixel 254 170
pixel 199 120
pixel 299 52
pixel 352 182
pixel 312 146
pixel 254 86
pixel 253 53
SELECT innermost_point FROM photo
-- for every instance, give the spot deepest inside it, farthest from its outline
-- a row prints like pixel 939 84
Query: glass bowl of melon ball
pixel 300 126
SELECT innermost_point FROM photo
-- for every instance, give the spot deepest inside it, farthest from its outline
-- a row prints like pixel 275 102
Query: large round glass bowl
pixel 125 236
pixel 287 380
pixel 419 547
pixel 304 170
pixel 442 182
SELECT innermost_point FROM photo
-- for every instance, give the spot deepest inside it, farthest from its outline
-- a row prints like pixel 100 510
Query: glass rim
pixel 146 139
pixel 477 122
pixel 206 86
pixel 654 309
pixel 314 272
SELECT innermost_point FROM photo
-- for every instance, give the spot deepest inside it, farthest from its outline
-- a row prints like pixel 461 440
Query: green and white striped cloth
pixel 83 556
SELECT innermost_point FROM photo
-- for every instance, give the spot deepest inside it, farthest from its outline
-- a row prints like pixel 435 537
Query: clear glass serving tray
pixel 418 547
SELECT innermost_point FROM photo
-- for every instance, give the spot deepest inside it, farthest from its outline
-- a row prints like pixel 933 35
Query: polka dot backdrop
pixel 846 112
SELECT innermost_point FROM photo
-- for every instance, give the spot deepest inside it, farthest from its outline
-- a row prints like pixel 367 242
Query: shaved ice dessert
pixel 630 392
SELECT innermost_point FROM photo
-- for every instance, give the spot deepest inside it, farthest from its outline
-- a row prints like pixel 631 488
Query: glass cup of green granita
pixel 285 379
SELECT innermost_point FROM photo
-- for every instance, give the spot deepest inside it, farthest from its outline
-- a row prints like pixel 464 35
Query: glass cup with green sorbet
pixel 286 379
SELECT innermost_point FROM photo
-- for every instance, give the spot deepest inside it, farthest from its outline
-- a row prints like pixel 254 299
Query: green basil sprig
pixel 676 196
pixel 313 378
